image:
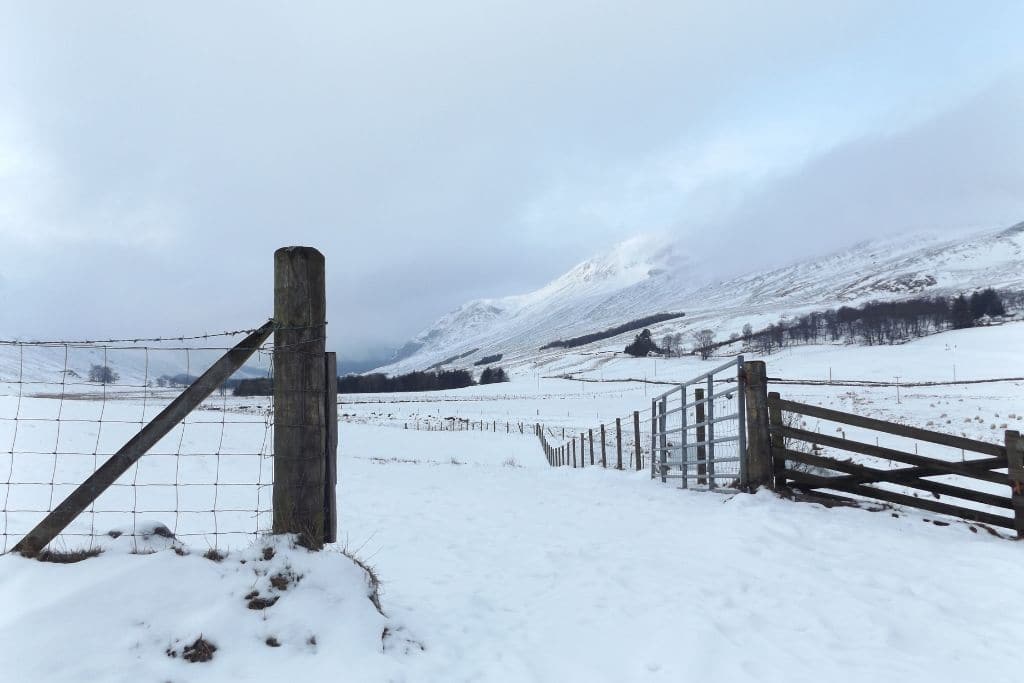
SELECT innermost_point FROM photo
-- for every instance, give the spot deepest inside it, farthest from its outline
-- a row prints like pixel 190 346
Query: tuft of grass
pixel 215 555
pixel 371 577
pixel 68 556
pixel 200 651
pixel 273 642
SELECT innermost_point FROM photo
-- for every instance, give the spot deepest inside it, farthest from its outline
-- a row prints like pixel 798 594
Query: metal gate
pixel 698 430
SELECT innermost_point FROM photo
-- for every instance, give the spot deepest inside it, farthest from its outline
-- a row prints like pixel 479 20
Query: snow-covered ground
pixel 496 567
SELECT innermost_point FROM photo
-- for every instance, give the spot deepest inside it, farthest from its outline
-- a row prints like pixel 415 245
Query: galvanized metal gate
pixel 698 430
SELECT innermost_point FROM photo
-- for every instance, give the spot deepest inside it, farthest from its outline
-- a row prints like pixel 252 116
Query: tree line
pixel 378 382
pixel 611 331
pixel 877 322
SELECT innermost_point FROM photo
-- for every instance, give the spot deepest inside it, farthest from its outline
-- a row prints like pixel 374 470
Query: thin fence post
pixel 759 450
pixel 618 443
pixel 574 453
pixel 636 441
pixel 300 426
pixel 654 436
pixel 1015 470
pixel 591 446
pixel 583 451
pixel 663 438
pixel 604 457
pixel 331 462
pixel 776 440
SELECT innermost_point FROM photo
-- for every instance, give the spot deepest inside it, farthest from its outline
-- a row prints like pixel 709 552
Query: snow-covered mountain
pixel 648 275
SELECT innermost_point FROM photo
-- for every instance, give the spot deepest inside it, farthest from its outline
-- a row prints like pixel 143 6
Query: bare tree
pixel 702 342
pixel 677 343
pixel 103 374
pixel 668 344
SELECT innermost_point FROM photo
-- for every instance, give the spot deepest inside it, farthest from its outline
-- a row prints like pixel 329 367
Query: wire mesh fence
pixel 67 406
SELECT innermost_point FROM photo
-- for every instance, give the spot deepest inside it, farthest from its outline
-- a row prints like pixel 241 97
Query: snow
pixel 496 567
pixel 649 275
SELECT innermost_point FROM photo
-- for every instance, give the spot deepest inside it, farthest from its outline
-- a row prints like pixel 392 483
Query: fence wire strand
pixel 64 411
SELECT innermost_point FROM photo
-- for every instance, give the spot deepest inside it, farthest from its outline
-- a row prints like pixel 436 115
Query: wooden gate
pixel 994 484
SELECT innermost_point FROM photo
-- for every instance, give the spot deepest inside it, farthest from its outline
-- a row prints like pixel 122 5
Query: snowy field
pixel 496 567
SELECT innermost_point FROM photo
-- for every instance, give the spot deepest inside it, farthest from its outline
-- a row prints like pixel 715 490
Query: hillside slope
pixel 648 275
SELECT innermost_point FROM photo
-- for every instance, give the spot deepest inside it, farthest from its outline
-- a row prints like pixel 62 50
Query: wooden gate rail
pixel 857 478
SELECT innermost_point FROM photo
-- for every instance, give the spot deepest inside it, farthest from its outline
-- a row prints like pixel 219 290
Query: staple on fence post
pixel 636 441
pixel 1015 470
pixel 300 426
pixel 604 457
pixel 618 443
pixel 331 451
pixel 759 449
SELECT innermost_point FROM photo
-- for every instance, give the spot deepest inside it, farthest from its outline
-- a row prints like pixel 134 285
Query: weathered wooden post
pixel 1015 470
pixel 776 440
pixel 636 441
pixel 583 451
pixel 604 456
pixel 702 461
pixel 574 453
pixel 618 443
pixel 331 448
pixel 300 422
pixel 759 448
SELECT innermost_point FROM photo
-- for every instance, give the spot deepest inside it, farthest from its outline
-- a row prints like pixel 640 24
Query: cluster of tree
pixel 179 380
pixel 488 360
pixel 876 322
pixel 493 376
pixel 452 359
pixel 103 374
pixel 642 345
pixel 413 381
pixel 611 331
pixel 263 386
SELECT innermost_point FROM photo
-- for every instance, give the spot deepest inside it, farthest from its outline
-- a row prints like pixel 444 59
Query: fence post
pixel 618 443
pixel 702 463
pixel 636 441
pixel 331 452
pixel 300 426
pixel 759 449
pixel 776 440
pixel 604 456
pixel 574 453
pixel 583 451
pixel 591 446
pixel 1015 470
pixel 654 436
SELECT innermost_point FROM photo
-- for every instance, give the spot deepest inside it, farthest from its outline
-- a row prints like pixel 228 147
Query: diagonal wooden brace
pixel 100 480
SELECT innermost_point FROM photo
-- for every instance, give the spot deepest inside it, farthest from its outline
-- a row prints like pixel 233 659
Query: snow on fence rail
pixel 94 441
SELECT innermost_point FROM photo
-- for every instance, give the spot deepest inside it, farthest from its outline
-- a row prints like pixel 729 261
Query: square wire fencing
pixel 698 430
pixel 66 407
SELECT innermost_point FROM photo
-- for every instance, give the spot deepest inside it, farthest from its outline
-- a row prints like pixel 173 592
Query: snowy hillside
pixel 648 275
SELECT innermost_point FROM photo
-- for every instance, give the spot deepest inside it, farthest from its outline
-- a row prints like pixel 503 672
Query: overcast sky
pixel 153 155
